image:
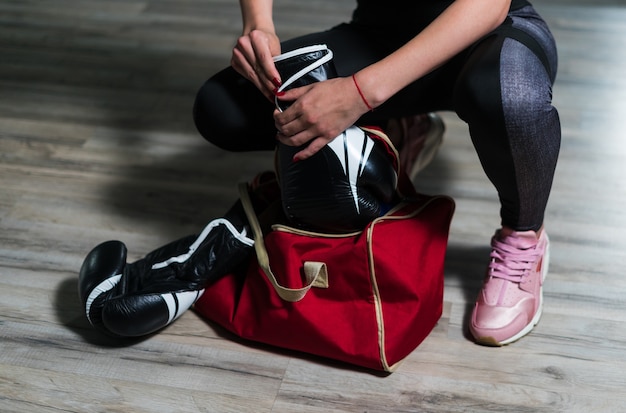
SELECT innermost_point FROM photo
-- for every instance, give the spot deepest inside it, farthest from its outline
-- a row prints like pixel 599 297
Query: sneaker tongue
pixel 520 239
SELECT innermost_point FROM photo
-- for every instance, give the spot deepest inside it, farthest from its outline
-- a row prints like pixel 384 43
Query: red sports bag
pixel 367 298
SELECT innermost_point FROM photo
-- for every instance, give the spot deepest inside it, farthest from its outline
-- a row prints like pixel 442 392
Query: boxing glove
pixel 350 181
pixel 302 67
pixel 142 297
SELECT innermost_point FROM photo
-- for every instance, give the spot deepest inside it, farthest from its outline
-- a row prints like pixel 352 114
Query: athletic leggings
pixel 501 86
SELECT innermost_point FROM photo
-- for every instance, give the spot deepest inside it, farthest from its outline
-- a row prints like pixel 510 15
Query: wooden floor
pixel 97 143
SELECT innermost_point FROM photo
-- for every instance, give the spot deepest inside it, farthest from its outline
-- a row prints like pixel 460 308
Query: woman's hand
pixel 318 114
pixel 253 59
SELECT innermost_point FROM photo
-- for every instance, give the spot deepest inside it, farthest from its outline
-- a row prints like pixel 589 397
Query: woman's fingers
pixel 264 51
pixel 252 58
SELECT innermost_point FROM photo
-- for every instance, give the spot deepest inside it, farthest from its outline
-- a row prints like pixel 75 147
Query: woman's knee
pixel 509 81
pixel 212 122
pixel 231 114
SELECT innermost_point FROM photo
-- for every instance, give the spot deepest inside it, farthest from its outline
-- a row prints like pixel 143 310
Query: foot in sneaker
pixel 417 139
pixel 509 304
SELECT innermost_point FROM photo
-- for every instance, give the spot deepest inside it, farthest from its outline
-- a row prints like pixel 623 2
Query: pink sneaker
pixel 509 304
pixel 417 139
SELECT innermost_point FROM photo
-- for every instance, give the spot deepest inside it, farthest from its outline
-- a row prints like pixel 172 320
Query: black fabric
pixel 510 31
pixel 394 14
pixel 398 14
pixel 518 4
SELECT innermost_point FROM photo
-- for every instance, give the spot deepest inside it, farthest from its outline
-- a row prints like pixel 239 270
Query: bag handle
pixel 315 273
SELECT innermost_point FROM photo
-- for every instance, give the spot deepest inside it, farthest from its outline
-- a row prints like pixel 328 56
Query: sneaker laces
pixel 511 263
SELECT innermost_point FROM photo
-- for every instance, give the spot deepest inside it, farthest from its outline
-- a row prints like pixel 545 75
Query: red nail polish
pixel 277 93
pixel 295 159
pixel 276 82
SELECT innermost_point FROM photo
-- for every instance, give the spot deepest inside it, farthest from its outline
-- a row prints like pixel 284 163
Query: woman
pixel 491 61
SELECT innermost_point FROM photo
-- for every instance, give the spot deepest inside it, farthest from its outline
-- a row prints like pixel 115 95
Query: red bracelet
pixel 361 94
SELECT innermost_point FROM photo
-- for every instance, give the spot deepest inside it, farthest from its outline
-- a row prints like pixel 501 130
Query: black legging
pixel 501 86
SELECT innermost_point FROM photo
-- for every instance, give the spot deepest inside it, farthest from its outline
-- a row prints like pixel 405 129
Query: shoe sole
pixel 490 341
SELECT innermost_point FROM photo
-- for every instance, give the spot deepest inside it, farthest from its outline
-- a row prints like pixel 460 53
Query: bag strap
pixel 315 273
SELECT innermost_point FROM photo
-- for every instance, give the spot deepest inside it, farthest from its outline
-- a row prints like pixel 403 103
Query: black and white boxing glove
pixel 344 186
pixel 139 298
pixel 302 67
pixel 350 181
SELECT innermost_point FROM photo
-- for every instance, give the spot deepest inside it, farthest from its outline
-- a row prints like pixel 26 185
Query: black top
pixel 417 14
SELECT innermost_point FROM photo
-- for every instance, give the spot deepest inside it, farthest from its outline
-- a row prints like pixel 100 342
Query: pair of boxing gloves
pixel 349 182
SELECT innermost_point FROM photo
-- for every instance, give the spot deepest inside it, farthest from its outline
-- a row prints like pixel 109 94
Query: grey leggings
pixel 501 86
